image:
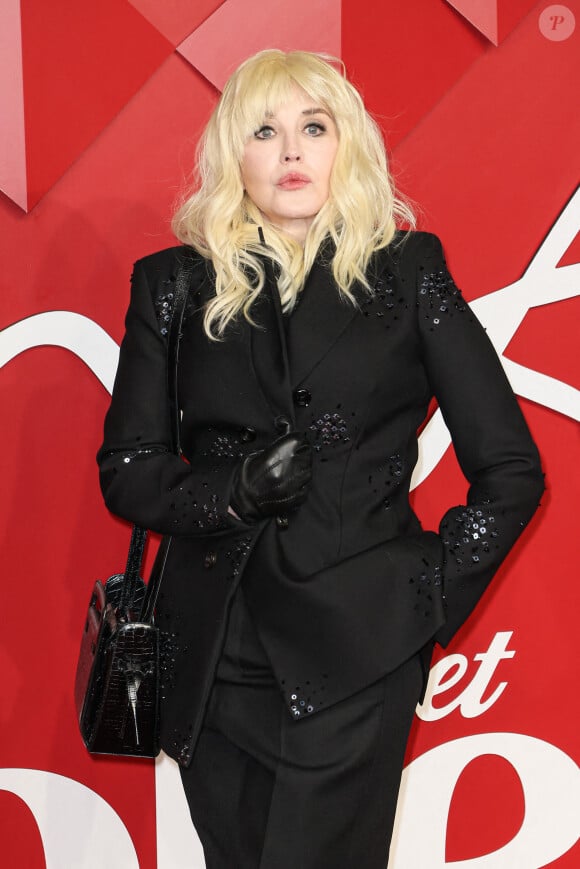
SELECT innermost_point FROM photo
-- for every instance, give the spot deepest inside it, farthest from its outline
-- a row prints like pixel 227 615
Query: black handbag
pixel 117 685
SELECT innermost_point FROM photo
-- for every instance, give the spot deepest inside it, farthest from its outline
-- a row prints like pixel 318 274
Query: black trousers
pixel 268 792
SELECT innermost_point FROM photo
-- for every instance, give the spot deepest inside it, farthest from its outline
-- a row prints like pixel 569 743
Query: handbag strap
pixel 139 535
pixel 134 558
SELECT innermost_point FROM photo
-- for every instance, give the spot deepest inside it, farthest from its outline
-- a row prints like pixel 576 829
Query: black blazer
pixel 349 586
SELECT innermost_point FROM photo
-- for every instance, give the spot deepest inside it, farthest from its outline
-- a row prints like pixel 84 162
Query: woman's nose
pixel 290 151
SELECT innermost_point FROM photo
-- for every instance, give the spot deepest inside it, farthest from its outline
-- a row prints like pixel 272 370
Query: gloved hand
pixel 274 480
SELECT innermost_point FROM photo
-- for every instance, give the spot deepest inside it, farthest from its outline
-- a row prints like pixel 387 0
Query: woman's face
pixel 287 162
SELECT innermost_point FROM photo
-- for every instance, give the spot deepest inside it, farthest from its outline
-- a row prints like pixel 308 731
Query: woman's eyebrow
pixel 310 111
pixel 316 111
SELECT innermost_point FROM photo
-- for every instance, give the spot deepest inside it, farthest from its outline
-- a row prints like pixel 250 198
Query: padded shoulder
pixel 415 245
pixel 165 263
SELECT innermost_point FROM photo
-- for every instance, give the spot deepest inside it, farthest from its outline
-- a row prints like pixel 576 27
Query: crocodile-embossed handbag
pixel 117 678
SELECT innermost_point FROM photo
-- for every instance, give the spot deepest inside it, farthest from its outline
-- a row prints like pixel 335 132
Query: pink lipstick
pixel 293 181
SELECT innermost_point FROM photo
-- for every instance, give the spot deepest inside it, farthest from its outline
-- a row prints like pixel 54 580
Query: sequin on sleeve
pixel 491 439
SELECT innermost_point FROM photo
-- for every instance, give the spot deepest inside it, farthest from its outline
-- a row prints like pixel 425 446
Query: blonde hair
pixel 220 221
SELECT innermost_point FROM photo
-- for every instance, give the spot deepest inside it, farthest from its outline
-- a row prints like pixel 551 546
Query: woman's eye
pixel 264 132
pixel 314 129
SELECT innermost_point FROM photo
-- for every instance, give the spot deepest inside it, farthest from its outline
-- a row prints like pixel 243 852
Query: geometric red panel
pixel 483 14
pixel 430 48
pixel 176 19
pixel 237 30
pixel 12 147
pixel 510 13
pixel 494 18
pixel 80 62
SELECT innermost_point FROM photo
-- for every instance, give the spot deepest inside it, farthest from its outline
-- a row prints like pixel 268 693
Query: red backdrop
pixel 485 138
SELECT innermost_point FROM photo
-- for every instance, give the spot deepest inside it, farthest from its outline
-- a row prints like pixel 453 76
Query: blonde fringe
pixel 218 220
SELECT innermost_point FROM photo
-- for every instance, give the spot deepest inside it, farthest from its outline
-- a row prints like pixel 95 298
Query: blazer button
pixel 247 435
pixel 282 522
pixel 302 397
pixel 210 559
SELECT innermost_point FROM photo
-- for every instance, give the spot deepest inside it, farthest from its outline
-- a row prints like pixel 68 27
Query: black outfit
pixel 265 793
pixel 348 591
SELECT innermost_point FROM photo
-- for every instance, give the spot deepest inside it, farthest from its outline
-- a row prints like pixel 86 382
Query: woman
pixel 301 598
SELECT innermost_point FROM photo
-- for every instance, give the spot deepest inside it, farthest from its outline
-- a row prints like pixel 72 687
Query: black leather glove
pixel 274 480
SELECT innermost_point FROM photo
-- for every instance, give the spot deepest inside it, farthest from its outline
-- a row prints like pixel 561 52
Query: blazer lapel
pixel 317 322
pixel 269 350
pixel 284 354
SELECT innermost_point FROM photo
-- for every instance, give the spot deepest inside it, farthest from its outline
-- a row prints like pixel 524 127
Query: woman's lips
pixel 293 181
